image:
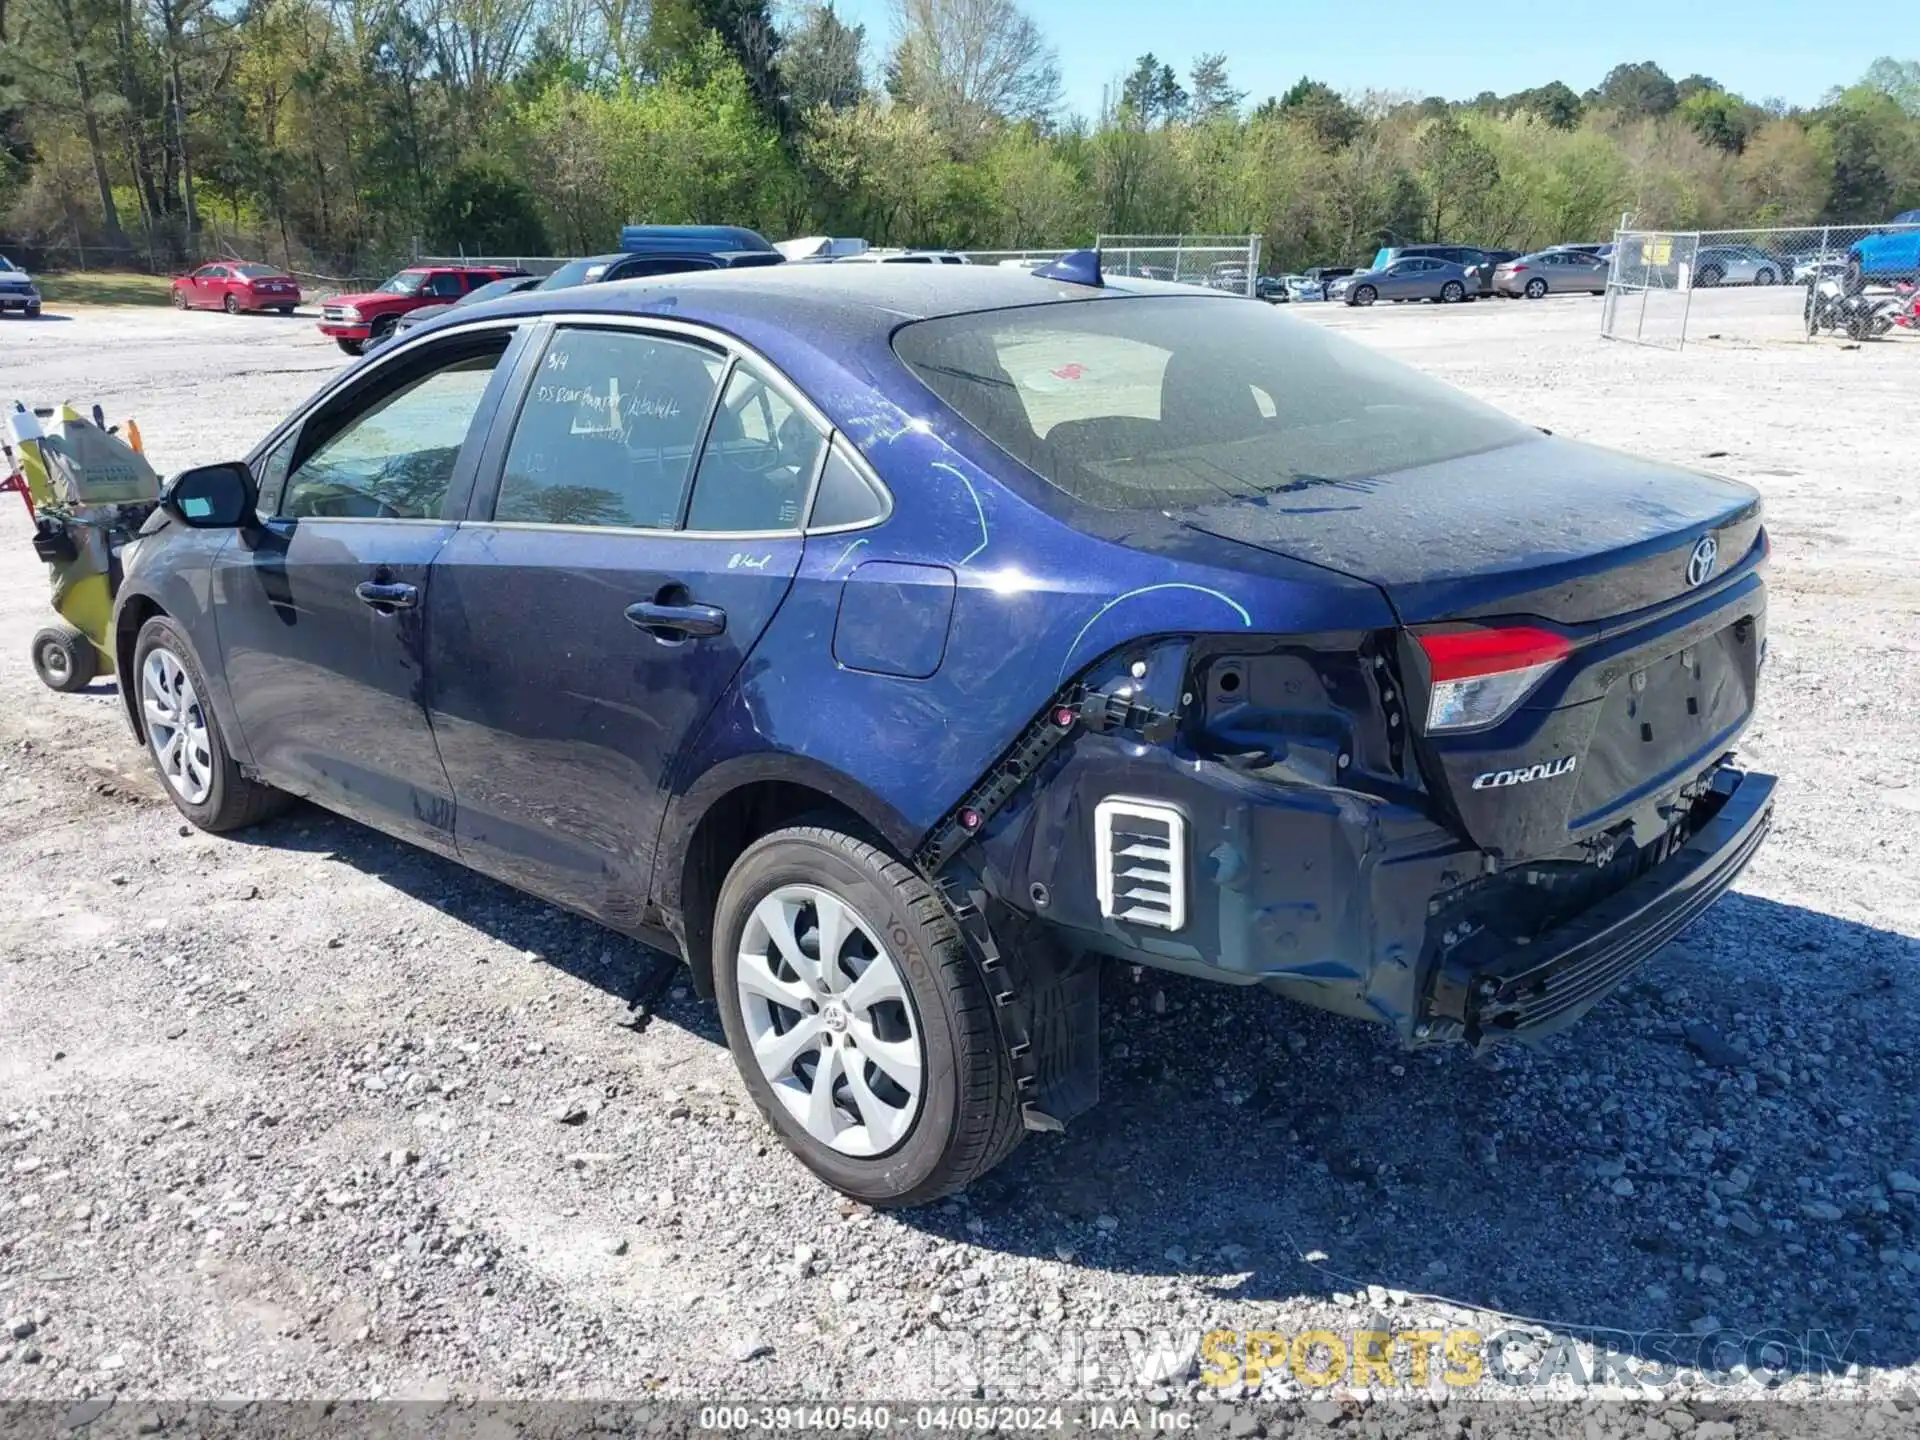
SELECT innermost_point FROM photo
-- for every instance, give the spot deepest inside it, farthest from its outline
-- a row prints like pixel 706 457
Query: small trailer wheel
pixel 63 658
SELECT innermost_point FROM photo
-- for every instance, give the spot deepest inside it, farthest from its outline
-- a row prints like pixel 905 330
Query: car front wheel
pixel 353 347
pixel 183 735
pixel 859 1019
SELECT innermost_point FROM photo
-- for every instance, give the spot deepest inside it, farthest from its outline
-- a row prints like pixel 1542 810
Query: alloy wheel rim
pixel 176 727
pixel 55 660
pixel 829 1021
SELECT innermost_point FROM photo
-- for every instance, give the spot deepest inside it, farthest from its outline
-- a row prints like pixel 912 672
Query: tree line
pixel 338 132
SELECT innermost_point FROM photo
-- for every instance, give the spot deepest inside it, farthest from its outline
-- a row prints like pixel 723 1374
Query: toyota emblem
pixel 1700 565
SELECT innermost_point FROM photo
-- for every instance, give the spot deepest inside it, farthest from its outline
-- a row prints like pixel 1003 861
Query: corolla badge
pixel 1700 563
pixel 1525 774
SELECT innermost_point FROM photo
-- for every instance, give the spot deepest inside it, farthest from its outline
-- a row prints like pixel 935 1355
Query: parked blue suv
pixel 899 646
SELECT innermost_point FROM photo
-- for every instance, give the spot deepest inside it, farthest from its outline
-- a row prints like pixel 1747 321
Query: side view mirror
pixel 212 497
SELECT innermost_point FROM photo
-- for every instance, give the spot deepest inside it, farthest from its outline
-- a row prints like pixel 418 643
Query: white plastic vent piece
pixel 1140 862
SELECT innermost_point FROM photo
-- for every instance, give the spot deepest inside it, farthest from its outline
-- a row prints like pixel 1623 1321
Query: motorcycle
pixel 1837 303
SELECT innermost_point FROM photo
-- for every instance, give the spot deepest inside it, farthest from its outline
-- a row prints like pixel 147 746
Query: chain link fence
pixel 1668 287
pixel 1217 262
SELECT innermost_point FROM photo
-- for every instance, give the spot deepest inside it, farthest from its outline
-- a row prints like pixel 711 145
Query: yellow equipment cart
pixel 89 491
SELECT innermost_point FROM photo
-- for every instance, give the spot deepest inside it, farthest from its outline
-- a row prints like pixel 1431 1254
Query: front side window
pixel 395 459
pixel 1155 402
pixel 407 282
pixel 758 462
pixel 608 431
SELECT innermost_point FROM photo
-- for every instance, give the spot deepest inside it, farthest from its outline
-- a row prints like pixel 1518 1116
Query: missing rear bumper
pixel 1534 990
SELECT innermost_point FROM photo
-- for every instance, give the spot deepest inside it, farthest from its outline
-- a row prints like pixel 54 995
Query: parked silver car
pixel 1413 277
pixel 1551 272
pixel 1738 265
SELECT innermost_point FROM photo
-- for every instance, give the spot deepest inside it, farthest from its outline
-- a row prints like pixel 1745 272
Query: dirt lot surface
pixel 306 1112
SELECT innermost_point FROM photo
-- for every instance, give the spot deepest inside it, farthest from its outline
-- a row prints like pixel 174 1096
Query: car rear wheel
pixel 1710 275
pixel 63 658
pixel 286 309
pixel 232 305
pixel 1452 293
pixel 1364 295
pixel 202 778
pixel 1536 288
pixel 859 1020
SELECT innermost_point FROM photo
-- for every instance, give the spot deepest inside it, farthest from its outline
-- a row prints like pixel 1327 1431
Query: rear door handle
pixel 387 597
pixel 685 621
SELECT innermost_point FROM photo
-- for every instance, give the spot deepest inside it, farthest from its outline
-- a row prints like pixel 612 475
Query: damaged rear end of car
pixel 1470 820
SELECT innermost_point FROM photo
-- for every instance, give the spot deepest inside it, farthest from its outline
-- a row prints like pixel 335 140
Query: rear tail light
pixel 1480 673
pixel 1517 269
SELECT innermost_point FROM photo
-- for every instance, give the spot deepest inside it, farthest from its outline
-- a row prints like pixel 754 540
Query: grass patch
pixel 104 287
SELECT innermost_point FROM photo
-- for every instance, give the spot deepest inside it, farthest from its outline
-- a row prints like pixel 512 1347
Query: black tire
pixel 1764 276
pixel 1536 288
pixel 64 659
pixel 33 312
pixel 233 801
pixel 353 347
pixel 968 1116
pixel 1452 293
pixel 231 305
pixel 1363 295
pixel 1710 275
pixel 382 332
pixel 179 298
pixel 286 309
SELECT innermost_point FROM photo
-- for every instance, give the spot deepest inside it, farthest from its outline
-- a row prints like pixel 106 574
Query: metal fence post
pixel 1253 265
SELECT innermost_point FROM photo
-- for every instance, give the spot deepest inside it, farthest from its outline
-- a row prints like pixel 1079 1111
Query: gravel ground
pixel 305 1112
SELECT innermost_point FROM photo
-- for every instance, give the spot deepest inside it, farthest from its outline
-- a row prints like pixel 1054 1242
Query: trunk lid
pixel 1607 549
pixel 1548 527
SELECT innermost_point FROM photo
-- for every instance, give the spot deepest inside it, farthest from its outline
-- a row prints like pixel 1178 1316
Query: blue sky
pixel 1772 48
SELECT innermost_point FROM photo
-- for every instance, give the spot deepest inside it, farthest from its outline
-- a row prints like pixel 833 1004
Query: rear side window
pixel 1163 403
pixel 846 496
pixel 759 460
pixel 608 432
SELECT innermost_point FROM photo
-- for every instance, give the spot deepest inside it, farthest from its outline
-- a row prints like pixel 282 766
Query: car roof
pixel 801 296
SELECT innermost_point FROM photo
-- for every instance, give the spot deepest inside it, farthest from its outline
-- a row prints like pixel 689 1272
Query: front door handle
pixel 687 620
pixel 387 597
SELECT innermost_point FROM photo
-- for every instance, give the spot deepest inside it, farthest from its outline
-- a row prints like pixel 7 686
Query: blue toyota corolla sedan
pixel 900 646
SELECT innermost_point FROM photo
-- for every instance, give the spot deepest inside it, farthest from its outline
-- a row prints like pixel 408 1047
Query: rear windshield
pixel 1166 403
pixel 257 272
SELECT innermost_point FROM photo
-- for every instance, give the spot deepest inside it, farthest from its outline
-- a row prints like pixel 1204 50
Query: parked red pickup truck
pixel 353 320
